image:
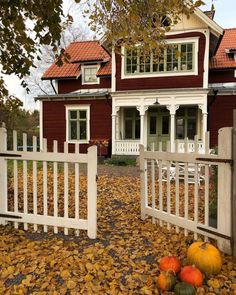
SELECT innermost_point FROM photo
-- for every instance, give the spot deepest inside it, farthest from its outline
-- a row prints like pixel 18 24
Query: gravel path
pixel 114 171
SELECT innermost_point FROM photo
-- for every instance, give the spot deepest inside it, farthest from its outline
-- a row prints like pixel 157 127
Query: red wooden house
pixel 130 98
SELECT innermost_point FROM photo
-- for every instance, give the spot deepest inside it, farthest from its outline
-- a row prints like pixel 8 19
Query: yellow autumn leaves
pixel 122 260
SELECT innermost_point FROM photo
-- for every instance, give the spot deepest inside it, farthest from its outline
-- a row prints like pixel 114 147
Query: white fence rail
pixel 33 191
pixel 178 188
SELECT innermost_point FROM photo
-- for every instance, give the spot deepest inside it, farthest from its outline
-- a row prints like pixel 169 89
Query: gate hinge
pixel 214 233
pixel 10 216
pixel 10 155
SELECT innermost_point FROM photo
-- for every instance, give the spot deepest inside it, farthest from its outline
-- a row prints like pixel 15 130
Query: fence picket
pixel 35 188
pixel 3 174
pixel 186 176
pixel 77 188
pixel 92 192
pixel 168 192
pixel 66 187
pixel 15 177
pixel 153 181
pixel 177 187
pixel 45 185
pixel 25 180
pixel 55 184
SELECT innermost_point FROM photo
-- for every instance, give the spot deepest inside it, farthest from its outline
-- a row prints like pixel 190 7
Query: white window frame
pixel 78 107
pixel 83 67
pixel 194 72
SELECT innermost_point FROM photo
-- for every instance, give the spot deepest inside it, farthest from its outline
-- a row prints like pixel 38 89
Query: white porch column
pixel 172 109
pixel 142 109
pixel 114 119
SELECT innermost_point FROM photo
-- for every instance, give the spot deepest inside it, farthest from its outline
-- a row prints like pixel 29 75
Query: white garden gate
pixel 177 189
pixel 48 206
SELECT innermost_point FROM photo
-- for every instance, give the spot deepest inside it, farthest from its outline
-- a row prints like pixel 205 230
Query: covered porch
pixel 162 122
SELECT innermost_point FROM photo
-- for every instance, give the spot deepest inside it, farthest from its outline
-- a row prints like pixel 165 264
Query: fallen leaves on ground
pixel 122 260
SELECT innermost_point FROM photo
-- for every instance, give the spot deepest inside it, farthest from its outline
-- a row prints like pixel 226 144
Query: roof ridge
pixel 228 29
pixel 85 41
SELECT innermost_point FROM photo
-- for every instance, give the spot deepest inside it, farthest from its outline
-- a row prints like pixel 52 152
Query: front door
pixel 158 128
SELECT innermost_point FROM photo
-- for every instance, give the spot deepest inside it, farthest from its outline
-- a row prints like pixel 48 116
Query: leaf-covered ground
pixel 122 260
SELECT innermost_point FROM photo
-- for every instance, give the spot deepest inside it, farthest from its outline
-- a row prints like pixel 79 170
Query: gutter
pixel 105 94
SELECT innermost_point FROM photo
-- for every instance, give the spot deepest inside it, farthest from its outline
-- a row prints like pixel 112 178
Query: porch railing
pixel 127 147
pixel 191 146
pixel 131 147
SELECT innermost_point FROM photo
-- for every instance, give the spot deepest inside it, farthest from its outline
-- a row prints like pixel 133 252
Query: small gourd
pixel 170 263
pixel 206 257
pixel 166 281
pixel 191 275
pixel 184 289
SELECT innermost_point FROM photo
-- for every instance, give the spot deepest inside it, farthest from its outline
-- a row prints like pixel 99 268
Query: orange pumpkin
pixel 166 281
pixel 170 263
pixel 191 275
pixel 206 257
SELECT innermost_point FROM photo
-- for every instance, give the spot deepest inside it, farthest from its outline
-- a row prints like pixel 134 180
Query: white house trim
pixel 216 29
pixel 206 59
pixel 78 107
pixel 41 124
pixel 223 85
pixel 194 40
pixel 113 70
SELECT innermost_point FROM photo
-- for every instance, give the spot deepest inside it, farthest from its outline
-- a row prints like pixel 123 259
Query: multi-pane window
pixel 90 75
pixel 174 58
pixel 78 124
pixel 132 123
pixel 186 123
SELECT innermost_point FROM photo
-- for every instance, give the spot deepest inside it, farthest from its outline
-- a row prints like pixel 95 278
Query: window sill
pixel 90 83
pixel 78 141
pixel 159 75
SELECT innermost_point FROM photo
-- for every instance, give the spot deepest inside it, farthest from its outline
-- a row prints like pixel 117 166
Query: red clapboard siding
pixel 220 115
pixel 54 121
pixel 66 86
pixel 165 82
pixel 222 76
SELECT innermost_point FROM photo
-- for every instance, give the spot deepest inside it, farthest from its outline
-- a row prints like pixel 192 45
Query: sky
pixel 225 16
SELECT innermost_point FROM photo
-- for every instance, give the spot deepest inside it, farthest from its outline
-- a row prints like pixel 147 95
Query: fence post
pixel 224 188
pixel 92 192
pixel 3 172
pixel 143 172
pixel 233 200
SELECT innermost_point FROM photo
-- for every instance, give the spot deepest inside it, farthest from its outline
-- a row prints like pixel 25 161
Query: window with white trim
pixel 186 123
pixel 131 123
pixel 89 75
pixel 78 123
pixel 177 57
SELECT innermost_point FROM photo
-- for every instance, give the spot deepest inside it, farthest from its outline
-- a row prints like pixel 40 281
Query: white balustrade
pixel 127 147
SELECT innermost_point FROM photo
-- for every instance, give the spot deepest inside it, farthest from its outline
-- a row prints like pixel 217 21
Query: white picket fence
pixel 59 211
pixel 177 188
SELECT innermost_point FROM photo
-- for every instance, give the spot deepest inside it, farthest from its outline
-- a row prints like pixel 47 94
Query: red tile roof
pixel 223 60
pixel 80 52
pixel 67 70
pixel 87 51
pixel 105 69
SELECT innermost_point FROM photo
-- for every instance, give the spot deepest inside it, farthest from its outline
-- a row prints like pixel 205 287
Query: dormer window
pixel 89 74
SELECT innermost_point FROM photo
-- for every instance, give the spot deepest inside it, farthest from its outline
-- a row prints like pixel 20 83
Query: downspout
pixel 215 92
pixel 53 86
